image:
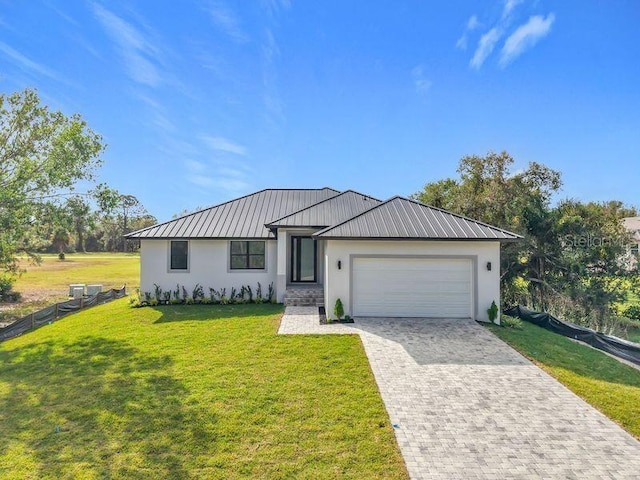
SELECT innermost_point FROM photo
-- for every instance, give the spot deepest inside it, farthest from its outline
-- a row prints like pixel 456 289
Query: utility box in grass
pixel 72 288
pixel 94 289
pixel 78 292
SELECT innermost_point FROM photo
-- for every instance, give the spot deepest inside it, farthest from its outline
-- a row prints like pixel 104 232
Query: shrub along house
pixel 397 258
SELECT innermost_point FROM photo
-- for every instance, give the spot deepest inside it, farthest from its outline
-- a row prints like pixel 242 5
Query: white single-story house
pixel 397 258
pixel 632 225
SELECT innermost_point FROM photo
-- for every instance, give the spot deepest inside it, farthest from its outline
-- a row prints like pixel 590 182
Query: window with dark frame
pixel 179 255
pixel 247 255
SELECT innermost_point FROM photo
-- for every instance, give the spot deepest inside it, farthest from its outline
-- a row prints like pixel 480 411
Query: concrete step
pixel 287 295
pixel 303 303
pixel 304 293
pixel 304 297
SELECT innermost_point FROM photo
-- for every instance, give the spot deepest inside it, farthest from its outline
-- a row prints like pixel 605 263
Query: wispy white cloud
pixel 485 46
pixel 159 116
pixel 205 176
pixel 173 148
pixel 195 166
pixel 472 24
pixel 230 185
pixel 28 65
pixel 270 47
pixel 420 80
pixel 271 97
pixel 199 180
pixel 62 14
pixel 240 172
pixel 138 52
pixel 226 20
pixel 80 41
pixel 509 6
pixel 224 169
pixel 525 37
pixel 222 144
pixel 274 7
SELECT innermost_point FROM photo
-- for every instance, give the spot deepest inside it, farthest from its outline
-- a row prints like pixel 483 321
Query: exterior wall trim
pixel 168 244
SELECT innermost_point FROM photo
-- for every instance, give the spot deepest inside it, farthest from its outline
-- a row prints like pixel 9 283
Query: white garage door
pixel 412 287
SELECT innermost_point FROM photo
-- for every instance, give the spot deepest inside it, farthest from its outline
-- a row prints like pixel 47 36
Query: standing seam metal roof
pixel 328 212
pixel 244 217
pixel 401 218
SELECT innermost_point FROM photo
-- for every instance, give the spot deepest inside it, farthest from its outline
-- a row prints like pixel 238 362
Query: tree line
pixel 44 156
pixel 76 225
pixel 574 259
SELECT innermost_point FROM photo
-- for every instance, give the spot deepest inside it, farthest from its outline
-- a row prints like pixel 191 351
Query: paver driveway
pixel 466 405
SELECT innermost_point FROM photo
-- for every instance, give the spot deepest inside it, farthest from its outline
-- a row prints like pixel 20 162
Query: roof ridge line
pixel 318 203
pixel 324 230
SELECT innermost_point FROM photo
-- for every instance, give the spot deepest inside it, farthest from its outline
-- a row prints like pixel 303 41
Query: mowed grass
pixel 610 386
pixel 112 270
pixel 189 392
pixel 44 284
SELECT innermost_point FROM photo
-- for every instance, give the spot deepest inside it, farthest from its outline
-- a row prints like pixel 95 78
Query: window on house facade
pixel 179 255
pixel 247 255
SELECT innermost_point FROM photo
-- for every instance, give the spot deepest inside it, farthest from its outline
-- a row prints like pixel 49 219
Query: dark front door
pixel 303 259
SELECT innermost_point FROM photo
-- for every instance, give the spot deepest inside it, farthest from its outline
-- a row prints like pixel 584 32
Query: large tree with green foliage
pixel 520 201
pixel 570 251
pixel 123 213
pixel 81 218
pixel 43 155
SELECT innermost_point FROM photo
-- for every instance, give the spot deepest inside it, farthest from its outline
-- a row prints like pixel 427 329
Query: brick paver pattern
pixel 465 405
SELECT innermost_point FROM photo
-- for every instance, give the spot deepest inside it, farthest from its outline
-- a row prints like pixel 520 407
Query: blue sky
pixel 202 101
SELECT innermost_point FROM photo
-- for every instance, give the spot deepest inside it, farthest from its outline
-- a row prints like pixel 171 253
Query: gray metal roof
pixel 244 217
pixel 401 218
pixel 328 212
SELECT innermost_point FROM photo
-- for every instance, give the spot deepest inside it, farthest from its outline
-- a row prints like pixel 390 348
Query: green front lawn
pixel 189 392
pixel 610 386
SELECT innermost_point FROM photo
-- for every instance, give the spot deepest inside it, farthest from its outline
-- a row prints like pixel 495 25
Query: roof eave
pixel 270 237
pixel 431 239
pixel 272 226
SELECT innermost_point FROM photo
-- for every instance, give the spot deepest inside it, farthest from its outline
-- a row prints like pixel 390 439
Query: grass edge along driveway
pixel 603 382
pixel 190 392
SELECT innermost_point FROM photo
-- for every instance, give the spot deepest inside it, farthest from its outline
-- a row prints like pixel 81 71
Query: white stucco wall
pixel 284 258
pixel 281 262
pixel 487 283
pixel 208 266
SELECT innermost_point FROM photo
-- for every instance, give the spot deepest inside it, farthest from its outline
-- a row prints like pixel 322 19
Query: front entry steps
pixel 306 296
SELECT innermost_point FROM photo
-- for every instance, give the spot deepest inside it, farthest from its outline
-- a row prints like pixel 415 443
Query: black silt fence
pixel 615 346
pixel 54 312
